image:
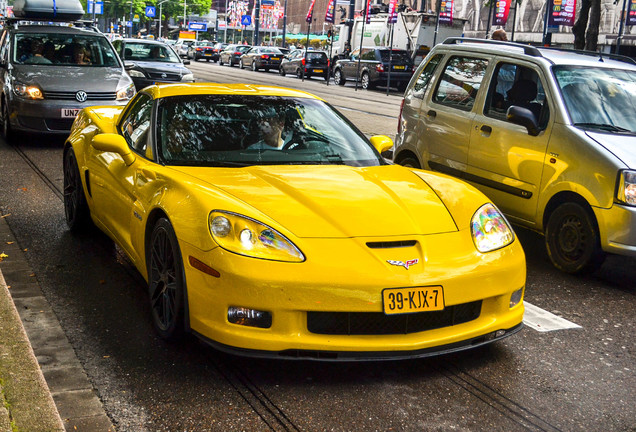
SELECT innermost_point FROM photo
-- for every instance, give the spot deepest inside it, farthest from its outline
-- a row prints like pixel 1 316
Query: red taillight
pixel 264 56
pixel 303 61
pixel 237 53
pixel 399 128
pixel 199 49
pixel 379 67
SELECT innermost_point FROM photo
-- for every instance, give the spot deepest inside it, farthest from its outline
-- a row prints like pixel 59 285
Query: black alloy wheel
pixel 572 239
pixel 7 132
pixel 75 206
pixel 220 61
pixel 365 81
pixel 166 284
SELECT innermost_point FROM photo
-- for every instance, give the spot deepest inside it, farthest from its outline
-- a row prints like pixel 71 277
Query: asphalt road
pixel 563 380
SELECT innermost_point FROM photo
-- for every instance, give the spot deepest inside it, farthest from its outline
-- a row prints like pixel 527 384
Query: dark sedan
pixel 231 55
pixel 259 57
pixel 201 50
pixel 314 63
pixel 372 66
pixel 149 62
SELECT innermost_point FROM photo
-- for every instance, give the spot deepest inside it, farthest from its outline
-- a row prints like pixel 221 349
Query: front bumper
pixel 342 283
pixel 46 116
pixel 617 226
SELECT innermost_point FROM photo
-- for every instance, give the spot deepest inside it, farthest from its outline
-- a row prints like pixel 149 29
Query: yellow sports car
pixel 268 225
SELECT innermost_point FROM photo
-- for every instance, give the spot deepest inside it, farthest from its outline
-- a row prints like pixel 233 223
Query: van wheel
pixel 410 162
pixel 572 239
pixel 338 78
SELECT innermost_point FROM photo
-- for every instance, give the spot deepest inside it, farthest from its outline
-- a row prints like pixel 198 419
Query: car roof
pixel 143 41
pixel 56 29
pixel 553 56
pixel 167 90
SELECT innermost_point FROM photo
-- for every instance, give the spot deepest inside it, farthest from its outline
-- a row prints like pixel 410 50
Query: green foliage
pixel 171 8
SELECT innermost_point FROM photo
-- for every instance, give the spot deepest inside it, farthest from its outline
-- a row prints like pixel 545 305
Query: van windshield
pixel 599 98
pixel 55 49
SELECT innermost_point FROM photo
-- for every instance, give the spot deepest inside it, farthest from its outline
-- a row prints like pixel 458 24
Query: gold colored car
pixel 268 225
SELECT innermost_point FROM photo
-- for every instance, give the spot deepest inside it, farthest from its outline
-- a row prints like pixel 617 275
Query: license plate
pixel 275 58
pixel 208 54
pixel 409 300
pixel 318 70
pixel 69 112
pixel 398 67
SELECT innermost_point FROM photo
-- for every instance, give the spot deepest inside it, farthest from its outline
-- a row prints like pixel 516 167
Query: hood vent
pixel 391 244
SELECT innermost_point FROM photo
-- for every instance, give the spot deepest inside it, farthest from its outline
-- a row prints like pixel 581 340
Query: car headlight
pixel 490 230
pixel 135 73
pixel 627 187
pixel 27 91
pixel 246 236
pixel 188 77
pixel 126 92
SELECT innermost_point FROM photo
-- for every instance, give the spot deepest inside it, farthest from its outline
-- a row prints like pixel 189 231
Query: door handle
pixel 487 130
pixel 431 113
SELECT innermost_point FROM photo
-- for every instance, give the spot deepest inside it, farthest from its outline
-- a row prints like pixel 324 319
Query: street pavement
pixel 43 390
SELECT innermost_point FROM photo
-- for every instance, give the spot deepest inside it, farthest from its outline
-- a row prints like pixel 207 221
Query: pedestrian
pixel 499 35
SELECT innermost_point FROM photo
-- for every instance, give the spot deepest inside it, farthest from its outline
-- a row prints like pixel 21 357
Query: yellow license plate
pixel 398 67
pixel 414 299
pixel 275 58
pixel 318 70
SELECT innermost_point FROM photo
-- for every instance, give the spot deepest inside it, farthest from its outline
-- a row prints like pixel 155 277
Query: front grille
pixel 377 323
pixel 168 76
pixel 391 244
pixel 59 124
pixel 70 95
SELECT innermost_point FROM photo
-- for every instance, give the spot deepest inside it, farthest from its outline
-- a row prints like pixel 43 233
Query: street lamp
pixel 160 16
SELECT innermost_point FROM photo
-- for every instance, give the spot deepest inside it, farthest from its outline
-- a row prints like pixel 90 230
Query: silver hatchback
pixel 50 72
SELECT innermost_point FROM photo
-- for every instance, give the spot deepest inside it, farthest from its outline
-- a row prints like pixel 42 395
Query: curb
pixel 43 382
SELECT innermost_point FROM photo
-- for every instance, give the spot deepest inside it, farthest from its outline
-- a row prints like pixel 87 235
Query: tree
pixel 586 27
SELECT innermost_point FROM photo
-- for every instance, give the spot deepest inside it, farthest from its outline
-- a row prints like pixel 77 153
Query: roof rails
pixel 14 21
pixel 527 49
pixel 600 55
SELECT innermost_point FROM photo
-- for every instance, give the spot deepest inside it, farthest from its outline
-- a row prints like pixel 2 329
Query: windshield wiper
pixel 604 126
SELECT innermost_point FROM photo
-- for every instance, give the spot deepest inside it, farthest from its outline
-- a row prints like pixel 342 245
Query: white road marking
pixel 543 321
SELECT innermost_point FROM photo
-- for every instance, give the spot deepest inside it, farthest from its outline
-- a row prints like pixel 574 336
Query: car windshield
pixel 140 51
pixel 56 49
pixel 239 130
pixel 599 98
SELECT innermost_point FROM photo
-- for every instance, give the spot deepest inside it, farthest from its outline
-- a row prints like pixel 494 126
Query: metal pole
pixel 360 51
pixel 489 21
pixel 306 47
pixel 185 19
pixel 284 43
pixel 548 5
pixel 226 24
pixel 388 81
pixel 131 18
pixel 437 8
pixel 329 65
pixel 514 23
pixel 93 2
pixel 620 29
pixel 257 19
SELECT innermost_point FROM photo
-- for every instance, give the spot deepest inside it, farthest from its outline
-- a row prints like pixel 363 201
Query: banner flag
pixel 368 11
pixel 446 12
pixel 310 14
pixel 562 12
pixel 502 9
pixel 331 11
pixel 393 11
pixel 631 13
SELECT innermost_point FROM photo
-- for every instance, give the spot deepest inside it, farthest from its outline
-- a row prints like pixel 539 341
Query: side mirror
pixel 186 62
pixel 129 65
pixel 114 143
pixel 523 117
pixel 381 143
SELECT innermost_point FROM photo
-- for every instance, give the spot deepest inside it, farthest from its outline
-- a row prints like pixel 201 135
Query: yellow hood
pixel 334 201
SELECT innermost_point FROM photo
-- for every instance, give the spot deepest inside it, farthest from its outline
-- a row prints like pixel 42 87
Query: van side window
pixel 516 85
pixel 136 125
pixel 460 82
pixel 423 80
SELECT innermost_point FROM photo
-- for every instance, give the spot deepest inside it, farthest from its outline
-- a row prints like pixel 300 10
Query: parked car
pixel 216 50
pixel 231 55
pixel 50 72
pixel 300 264
pixel 201 50
pixel 315 63
pixel 549 135
pixel 150 62
pixel 181 47
pixel 370 66
pixel 261 57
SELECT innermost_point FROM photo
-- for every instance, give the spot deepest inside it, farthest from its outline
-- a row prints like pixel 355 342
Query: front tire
pixel 254 67
pixel 410 162
pixel 338 78
pixel 572 239
pixel 366 81
pixel 76 210
pixel 281 71
pixel 241 64
pixel 166 282
pixel 7 132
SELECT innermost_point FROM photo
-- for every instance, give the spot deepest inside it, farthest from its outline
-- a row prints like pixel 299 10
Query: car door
pixel 504 160
pixel 448 111
pixel 114 184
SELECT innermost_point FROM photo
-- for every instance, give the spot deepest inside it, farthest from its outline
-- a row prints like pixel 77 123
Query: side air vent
pixel 391 244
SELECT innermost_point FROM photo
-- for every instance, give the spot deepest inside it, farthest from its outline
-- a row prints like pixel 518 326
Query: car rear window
pixel 316 56
pixel 396 57
pixel 56 49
